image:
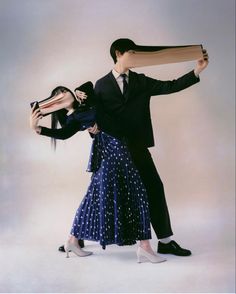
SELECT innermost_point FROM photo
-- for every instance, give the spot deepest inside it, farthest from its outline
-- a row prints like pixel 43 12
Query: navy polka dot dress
pixel 115 207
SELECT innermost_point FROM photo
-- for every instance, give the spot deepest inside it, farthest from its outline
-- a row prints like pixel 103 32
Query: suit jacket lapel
pixel 114 82
pixel 131 85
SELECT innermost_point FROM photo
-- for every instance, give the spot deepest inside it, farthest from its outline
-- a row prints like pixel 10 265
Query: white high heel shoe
pixel 76 250
pixel 143 255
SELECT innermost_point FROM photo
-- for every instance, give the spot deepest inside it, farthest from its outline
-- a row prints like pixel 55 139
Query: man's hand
pixel 94 130
pixel 201 63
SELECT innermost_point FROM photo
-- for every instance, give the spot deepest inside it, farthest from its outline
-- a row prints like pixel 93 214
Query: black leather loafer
pixel 172 248
pixel 81 244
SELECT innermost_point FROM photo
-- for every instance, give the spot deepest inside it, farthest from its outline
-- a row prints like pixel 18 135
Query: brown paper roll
pixel 164 55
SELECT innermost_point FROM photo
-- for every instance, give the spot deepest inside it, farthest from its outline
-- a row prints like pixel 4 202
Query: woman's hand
pixel 35 116
pixel 94 130
pixel 201 63
pixel 80 96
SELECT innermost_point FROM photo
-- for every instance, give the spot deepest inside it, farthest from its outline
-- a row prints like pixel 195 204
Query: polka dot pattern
pixel 115 207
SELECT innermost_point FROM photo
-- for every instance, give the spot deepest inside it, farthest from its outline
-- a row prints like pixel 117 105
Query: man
pixel 122 101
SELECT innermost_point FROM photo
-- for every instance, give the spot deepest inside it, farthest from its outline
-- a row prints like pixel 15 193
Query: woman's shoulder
pixel 84 112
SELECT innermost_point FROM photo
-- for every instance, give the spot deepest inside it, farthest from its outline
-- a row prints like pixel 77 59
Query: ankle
pixel 146 246
pixel 73 240
pixel 165 240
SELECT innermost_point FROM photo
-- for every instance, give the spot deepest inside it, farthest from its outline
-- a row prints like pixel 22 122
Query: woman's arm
pixel 63 133
pixel 35 116
pixel 81 96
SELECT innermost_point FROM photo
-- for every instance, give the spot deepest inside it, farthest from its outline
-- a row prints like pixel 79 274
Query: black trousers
pixel 159 214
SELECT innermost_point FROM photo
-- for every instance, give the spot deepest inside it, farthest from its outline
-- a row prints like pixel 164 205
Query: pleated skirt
pixel 115 207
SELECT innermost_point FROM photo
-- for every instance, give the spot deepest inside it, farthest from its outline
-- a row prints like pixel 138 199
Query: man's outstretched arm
pixel 157 87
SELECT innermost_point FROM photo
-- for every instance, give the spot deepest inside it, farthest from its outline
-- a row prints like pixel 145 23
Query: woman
pixel 115 207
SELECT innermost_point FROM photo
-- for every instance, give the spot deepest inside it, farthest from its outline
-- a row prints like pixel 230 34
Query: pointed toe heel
pixel 144 256
pixel 76 250
pixel 141 259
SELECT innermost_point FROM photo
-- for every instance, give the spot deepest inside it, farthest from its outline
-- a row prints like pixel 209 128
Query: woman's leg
pixel 145 244
pixel 145 253
pixel 73 240
pixel 73 245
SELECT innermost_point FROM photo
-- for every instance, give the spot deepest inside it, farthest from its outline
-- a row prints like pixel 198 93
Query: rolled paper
pixel 58 101
pixel 50 104
pixel 155 55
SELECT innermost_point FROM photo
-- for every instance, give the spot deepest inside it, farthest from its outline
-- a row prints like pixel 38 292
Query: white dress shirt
pixel 119 78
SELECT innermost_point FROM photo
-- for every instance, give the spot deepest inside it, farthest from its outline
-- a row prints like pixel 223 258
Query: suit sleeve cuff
pixel 197 78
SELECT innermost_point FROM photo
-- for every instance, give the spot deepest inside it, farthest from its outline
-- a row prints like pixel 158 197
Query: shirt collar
pixel 117 75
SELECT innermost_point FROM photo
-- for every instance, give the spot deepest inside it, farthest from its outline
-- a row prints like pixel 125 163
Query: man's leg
pixel 159 214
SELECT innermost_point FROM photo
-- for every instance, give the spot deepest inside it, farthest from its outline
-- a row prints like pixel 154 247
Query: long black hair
pixel 60 115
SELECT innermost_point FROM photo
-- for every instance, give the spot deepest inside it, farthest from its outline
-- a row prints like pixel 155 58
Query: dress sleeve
pixel 63 133
pixel 157 87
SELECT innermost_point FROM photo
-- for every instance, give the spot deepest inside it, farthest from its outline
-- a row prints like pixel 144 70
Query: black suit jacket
pixel 131 118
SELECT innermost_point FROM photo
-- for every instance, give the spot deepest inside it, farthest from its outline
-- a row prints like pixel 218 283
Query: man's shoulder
pixel 136 75
pixel 103 79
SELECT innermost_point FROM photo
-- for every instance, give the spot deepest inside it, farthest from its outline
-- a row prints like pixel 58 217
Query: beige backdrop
pixel 54 42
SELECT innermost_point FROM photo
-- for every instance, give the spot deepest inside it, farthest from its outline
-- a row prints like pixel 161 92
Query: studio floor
pixel 30 262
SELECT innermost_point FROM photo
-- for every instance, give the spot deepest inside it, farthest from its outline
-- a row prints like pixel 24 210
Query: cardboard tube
pixel 151 55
